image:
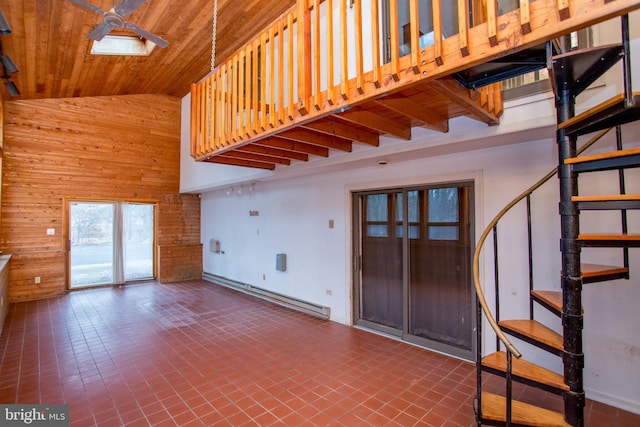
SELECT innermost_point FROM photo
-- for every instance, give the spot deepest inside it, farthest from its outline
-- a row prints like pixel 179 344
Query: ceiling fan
pixel 114 18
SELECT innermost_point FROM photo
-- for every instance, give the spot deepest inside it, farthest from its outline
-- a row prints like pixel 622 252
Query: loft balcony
pixel 332 73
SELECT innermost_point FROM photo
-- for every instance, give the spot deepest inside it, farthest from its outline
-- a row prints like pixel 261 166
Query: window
pixel 444 216
pixel 377 215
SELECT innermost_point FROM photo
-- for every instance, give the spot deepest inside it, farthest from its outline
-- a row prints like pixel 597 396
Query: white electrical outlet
pixel 37 281
pixel 51 231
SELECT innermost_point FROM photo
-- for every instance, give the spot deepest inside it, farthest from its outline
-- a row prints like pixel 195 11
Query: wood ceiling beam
pixel 465 98
pixel 241 162
pixel 412 109
pixel 290 145
pixel 317 138
pixel 273 152
pixel 237 154
pixel 373 121
pixel 335 128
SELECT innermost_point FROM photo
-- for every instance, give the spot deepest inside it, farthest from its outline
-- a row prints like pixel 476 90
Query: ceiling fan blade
pixel 88 6
pixel 158 41
pixel 127 7
pixel 100 30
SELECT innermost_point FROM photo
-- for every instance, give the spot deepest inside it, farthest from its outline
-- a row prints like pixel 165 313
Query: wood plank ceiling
pixel 50 47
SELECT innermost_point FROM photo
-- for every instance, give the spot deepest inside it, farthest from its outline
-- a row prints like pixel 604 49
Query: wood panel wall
pixel 115 148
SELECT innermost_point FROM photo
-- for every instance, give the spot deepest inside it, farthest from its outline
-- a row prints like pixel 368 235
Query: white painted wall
pixel 296 203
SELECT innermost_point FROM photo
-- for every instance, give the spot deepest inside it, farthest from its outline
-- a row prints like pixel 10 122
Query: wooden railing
pixel 322 57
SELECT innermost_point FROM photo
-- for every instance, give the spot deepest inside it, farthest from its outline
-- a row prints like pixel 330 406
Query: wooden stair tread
pixel 594 270
pixel 605 198
pixel 605 115
pixel 536 331
pixel 524 369
pixel 494 408
pixel 550 298
pixel 604 236
pixel 602 156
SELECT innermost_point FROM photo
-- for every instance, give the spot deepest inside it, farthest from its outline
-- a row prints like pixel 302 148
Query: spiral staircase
pixel 571 73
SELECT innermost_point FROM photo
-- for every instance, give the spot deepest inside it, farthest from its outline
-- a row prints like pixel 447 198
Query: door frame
pixel 474 182
pixel 66 233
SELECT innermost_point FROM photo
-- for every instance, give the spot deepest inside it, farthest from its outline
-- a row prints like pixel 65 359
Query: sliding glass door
pixel 413 275
pixel 110 242
pixel 138 241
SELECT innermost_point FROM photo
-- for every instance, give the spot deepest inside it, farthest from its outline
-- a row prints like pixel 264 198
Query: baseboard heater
pixel 283 300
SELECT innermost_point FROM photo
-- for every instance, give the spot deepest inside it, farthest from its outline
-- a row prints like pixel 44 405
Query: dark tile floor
pixel 194 354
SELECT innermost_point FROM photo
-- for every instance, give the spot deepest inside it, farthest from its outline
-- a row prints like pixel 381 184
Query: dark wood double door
pixel 413 251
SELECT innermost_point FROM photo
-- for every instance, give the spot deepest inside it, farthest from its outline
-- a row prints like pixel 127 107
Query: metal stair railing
pixel 482 303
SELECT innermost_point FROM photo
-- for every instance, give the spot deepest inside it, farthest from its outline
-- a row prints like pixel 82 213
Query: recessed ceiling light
pixel 122 45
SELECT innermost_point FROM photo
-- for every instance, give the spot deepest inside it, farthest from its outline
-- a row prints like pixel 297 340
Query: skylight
pixel 122 45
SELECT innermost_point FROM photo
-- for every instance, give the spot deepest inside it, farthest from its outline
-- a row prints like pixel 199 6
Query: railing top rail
pixel 476 255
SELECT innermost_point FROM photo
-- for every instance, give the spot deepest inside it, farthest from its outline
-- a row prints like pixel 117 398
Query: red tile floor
pixel 194 354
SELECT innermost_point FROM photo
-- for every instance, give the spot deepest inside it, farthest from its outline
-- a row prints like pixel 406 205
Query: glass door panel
pixel 440 277
pixel 91 243
pixel 138 241
pixel 381 286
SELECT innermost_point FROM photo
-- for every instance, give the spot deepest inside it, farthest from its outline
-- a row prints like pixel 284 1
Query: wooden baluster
pixel 234 98
pixel 194 119
pixel 227 102
pixel 563 9
pixel 484 96
pixel 282 112
pixel 414 29
pixel 358 35
pixel 201 119
pixel 255 85
pixel 497 95
pixel 525 20
pixel 375 44
pixel 273 116
pixel 247 90
pixel 329 38
pixel 344 64
pixel 206 114
pixel 463 27
pixel 242 97
pixel 491 107
pixel 292 62
pixel 437 31
pixel 492 22
pixel 317 93
pixel 219 116
pixel 394 48
pixel 263 86
pixel 304 57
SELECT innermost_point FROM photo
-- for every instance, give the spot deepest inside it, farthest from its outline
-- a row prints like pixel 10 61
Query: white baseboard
pixel 615 401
